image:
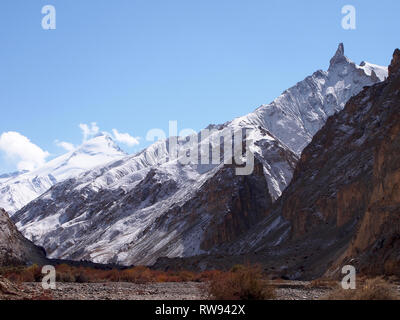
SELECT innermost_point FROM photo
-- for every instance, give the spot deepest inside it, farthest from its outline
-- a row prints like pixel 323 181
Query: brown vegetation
pixel 66 273
pixel 371 289
pixel 323 283
pixel 241 283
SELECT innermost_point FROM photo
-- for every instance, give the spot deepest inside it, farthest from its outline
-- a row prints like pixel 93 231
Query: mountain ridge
pixel 18 189
pixel 149 205
pixel 342 206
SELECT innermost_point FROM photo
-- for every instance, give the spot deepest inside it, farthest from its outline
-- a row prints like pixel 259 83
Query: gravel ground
pixel 125 291
pixel 291 290
pixel 285 290
pixel 299 290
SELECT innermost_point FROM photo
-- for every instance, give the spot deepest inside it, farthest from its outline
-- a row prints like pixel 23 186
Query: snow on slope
pixel 18 189
pixel 296 115
pixel 380 72
pixel 133 210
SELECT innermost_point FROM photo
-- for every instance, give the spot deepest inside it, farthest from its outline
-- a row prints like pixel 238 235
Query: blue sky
pixel 134 65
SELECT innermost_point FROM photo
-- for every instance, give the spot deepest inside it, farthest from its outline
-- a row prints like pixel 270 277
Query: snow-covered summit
pixel 299 112
pixel 380 72
pixel 18 189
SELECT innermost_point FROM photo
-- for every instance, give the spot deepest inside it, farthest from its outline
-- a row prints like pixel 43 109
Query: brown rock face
pixel 243 200
pixel 226 206
pixel 348 182
pixel 15 249
pixel 343 203
pixel 394 67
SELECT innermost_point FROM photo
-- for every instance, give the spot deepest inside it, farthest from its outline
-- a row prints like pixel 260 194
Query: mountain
pixel 7 176
pixel 19 188
pixel 343 204
pixel 296 115
pixel 151 205
pixel 14 248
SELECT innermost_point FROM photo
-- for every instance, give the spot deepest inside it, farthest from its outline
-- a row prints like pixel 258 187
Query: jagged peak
pixel 339 56
pixel 340 50
pixel 394 68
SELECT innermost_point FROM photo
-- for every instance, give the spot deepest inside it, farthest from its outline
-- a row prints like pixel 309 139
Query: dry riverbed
pixel 290 290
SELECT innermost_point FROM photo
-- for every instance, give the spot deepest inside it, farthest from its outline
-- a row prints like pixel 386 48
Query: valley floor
pixel 289 290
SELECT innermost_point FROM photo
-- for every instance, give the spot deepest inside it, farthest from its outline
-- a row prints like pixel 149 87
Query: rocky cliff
pixel 15 249
pixel 343 203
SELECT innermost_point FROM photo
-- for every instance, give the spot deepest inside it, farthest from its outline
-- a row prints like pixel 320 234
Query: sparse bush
pixel 186 276
pixel 82 278
pixel 139 274
pixel 113 275
pixel 238 267
pixel 65 277
pixel 244 283
pixel 208 275
pixel 323 283
pixel 371 289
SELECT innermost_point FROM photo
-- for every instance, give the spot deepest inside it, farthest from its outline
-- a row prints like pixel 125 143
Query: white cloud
pixel 18 147
pixel 89 131
pixel 92 129
pixel 125 138
pixel 65 145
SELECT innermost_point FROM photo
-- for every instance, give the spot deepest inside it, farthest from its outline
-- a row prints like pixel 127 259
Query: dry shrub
pixel 65 277
pixel 323 283
pixel 29 274
pixel 241 283
pixel 82 278
pixel 161 278
pixel 64 273
pixel 371 289
pixel 208 275
pixel 186 276
pixel 113 275
pixel 139 274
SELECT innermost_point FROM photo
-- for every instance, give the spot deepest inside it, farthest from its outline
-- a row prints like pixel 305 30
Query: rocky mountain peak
pixel 394 67
pixel 339 56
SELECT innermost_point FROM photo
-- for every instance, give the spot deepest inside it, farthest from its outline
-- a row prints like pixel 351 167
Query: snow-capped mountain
pixel 342 206
pixel 6 176
pixel 296 115
pixel 150 205
pixel 19 188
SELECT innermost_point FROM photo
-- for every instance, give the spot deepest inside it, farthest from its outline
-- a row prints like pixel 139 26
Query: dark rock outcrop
pixel 346 187
pixel 394 67
pixel 15 249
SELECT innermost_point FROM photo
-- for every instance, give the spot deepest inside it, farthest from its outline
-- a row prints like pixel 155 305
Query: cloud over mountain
pixel 125 138
pixel 19 148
